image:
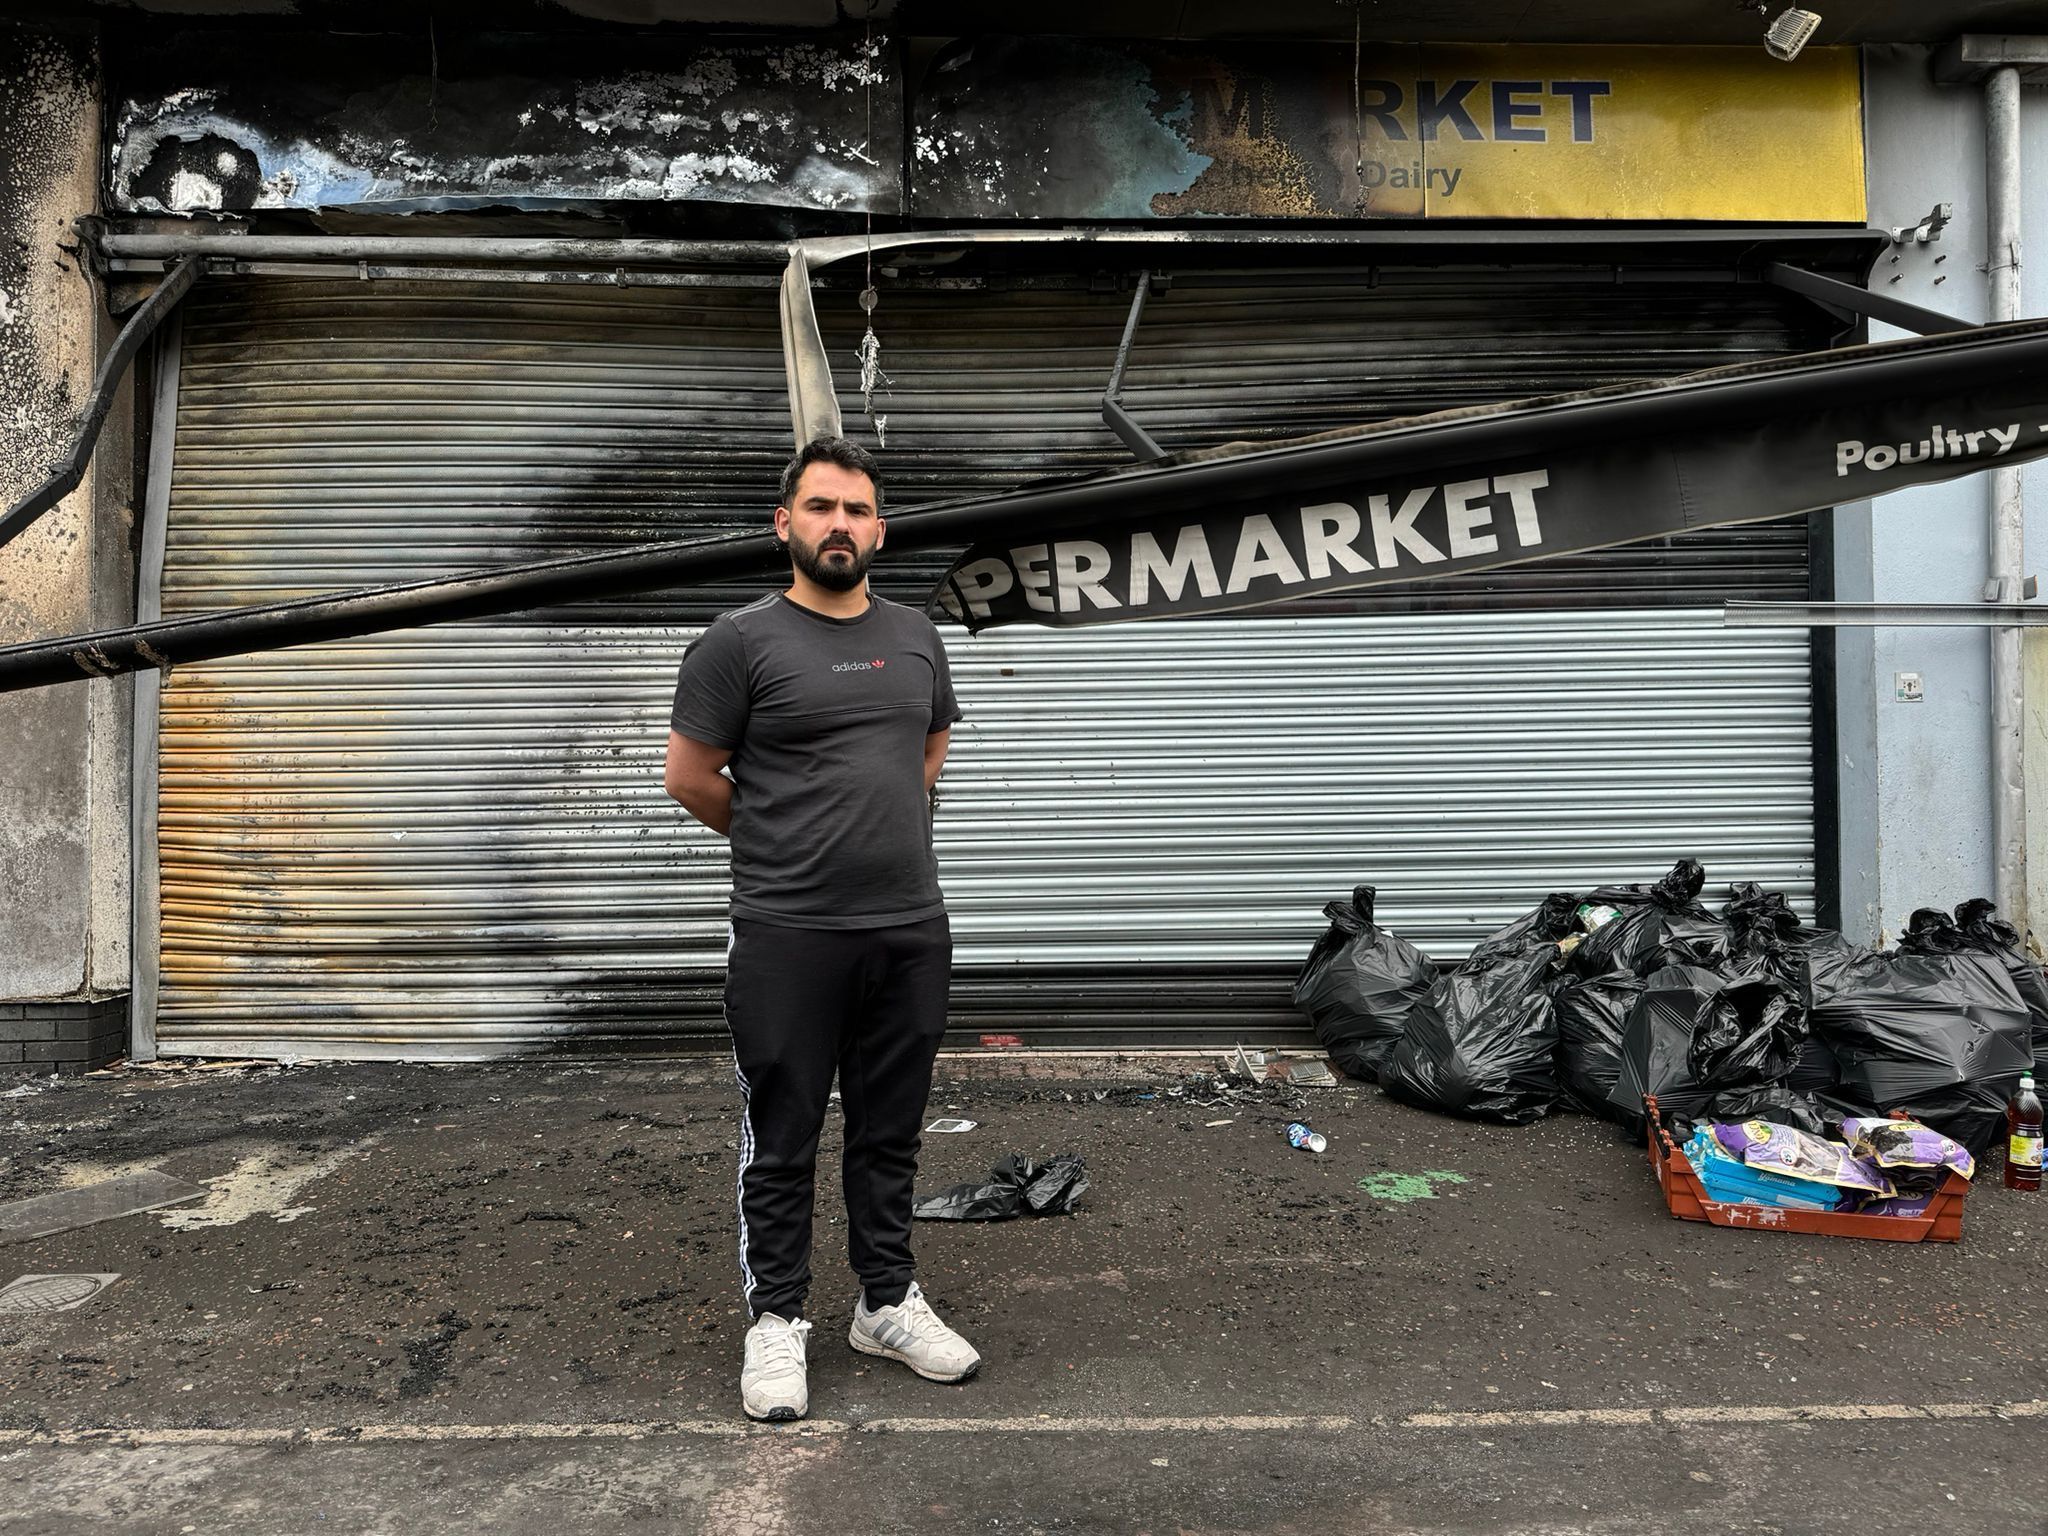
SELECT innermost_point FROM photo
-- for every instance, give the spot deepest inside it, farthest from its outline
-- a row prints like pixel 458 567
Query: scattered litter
pixel 181 1064
pixel 52 1293
pixel 22 1091
pixel 1299 1135
pixel 1213 1124
pixel 1277 1066
pixel 1002 1042
pixel 947 1126
pixel 275 1285
pixel 42 1215
pixel 1228 1089
pixel 1016 1186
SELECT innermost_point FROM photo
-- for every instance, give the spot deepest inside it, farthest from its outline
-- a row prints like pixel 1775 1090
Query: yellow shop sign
pixel 1611 133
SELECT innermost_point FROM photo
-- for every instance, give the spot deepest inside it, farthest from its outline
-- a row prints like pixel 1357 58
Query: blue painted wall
pixel 1915 778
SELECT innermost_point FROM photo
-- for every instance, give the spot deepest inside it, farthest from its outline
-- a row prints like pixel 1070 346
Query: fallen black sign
pixel 1473 490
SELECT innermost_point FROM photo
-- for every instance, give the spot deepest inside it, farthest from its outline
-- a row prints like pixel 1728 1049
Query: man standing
pixel 832 710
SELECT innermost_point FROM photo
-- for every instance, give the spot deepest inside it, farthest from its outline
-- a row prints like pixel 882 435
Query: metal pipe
pixel 1769 615
pixel 70 470
pixel 822 250
pixel 174 244
pixel 1421 444
pixel 2005 544
pixel 428 272
pixel 145 929
pixel 1120 421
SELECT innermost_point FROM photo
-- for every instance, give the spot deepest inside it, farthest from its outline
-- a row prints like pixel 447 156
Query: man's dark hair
pixel 831 450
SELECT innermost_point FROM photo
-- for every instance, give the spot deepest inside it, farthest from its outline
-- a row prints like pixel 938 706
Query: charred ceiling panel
pixel 1060 127
pixel 225 123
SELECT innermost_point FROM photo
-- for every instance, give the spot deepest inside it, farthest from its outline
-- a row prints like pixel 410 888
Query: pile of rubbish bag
pixel 1592 1001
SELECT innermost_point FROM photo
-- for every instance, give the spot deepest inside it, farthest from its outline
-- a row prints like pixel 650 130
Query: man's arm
pixel 935 756
pixel 692 778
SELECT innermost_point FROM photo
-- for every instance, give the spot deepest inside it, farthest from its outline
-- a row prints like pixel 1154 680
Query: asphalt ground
pixel 505 1298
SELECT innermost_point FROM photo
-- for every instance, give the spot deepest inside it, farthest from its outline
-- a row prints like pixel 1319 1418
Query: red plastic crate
pixel 1686 1197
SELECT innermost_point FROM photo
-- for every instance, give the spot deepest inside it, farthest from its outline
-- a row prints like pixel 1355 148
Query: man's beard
pixel 833 576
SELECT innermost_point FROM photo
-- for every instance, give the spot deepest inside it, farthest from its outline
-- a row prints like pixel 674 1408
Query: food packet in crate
pixel 1797 1154
pixel 1911 1155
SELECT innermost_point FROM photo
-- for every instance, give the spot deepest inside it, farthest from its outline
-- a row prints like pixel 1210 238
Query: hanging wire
pixel 870 351
pixel 1357 116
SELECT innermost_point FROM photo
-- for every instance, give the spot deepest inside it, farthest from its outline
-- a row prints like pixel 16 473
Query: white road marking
pixel 1248 1423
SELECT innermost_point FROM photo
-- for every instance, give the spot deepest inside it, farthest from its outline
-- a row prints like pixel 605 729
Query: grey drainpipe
pixel 2007 509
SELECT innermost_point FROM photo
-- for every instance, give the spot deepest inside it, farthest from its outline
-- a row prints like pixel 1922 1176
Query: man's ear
pixel 881 531
pixel 782 524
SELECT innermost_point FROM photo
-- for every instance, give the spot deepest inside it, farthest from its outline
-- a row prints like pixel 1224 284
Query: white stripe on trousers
pixel 746 1129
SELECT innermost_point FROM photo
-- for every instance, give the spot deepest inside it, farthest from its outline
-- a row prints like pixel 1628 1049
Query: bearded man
pixel 809 728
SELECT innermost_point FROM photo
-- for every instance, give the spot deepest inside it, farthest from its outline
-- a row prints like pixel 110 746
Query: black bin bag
pixel 1659 925
pixel 1943 1036
pixel 1361 985
pixel 1485 1046
pixel 1982 931
pixel 1592 1016
pixel 1696 1034
pixel 1554 919
pixel 1829 959
pixel 1762 936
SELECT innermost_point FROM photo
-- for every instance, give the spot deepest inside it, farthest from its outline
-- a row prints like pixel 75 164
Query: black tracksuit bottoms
pixel 800 1002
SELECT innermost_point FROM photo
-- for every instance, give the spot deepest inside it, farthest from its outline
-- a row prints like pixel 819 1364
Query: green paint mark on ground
pixel 1404 1187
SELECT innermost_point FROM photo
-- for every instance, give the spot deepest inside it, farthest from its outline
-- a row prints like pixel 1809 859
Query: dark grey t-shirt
pixel 826 720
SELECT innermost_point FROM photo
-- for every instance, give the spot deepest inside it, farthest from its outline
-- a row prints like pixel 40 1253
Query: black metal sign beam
pixel 1778 414
pixel 1532 481
pixel 1849 298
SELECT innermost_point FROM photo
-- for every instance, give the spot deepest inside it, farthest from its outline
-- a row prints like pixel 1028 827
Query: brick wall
pixel 71 1036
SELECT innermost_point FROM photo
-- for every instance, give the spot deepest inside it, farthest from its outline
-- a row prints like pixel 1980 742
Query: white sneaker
pixel 911 1332
pixel 772 1382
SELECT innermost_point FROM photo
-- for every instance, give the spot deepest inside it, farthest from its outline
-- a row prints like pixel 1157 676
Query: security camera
pixel 1792 31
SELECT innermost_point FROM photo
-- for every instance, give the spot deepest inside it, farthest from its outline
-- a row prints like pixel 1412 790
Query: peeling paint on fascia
pixel 10 310
pixel 637 102
pixel 830 69
pixel 192 193
pixel 286 172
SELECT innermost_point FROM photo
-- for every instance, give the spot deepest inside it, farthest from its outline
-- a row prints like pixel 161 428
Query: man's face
pixel 833 529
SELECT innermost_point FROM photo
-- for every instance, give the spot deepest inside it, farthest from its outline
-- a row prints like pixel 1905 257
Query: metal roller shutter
pixel 453 841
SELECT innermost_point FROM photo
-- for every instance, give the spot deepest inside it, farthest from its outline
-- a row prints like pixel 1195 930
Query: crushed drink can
pixel 1299 1135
